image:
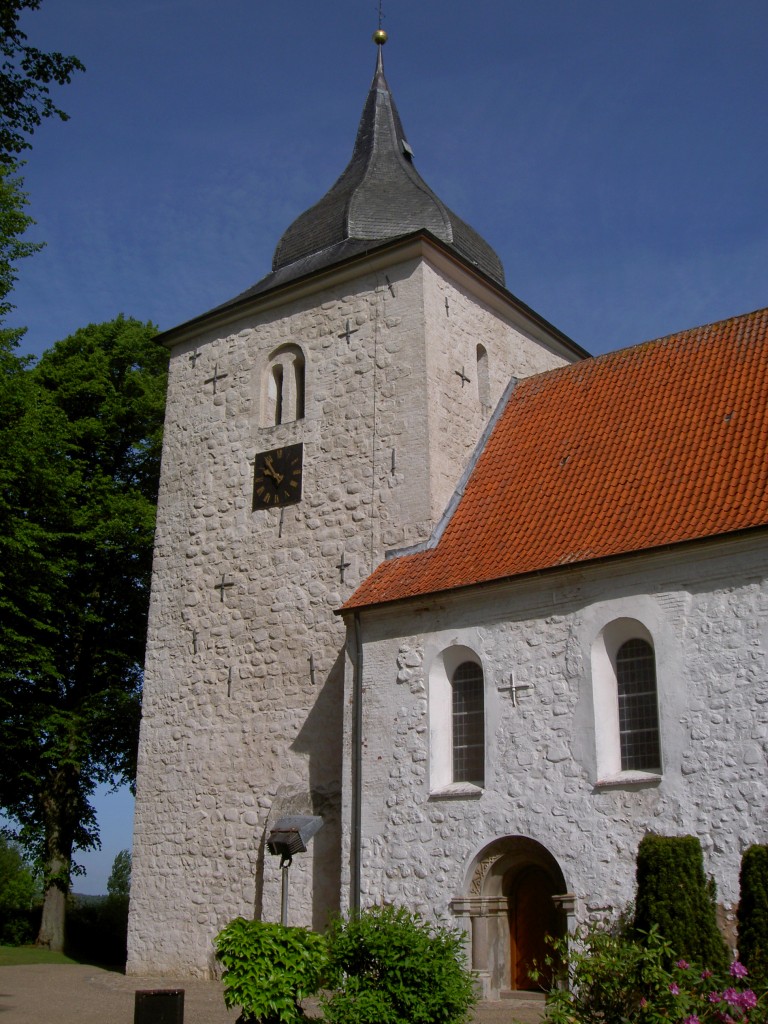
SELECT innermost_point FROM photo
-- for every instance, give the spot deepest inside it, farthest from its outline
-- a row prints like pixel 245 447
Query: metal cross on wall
pixel 221 587
pixel 342 566
pixel 193 357
pixel 514 688
pixel 463 377
pixel 348 332
pixel 216 377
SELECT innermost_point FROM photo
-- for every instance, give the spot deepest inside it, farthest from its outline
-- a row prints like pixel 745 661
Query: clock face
pixel 277 477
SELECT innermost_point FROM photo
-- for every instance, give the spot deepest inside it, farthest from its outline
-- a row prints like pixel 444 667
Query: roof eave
pixel 313 281
pixel 348 609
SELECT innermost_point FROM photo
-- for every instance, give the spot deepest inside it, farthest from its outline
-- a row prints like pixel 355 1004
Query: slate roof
pixel 379 196
pixel 649 446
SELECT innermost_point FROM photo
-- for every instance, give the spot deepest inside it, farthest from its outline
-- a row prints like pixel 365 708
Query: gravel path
pixel 78 994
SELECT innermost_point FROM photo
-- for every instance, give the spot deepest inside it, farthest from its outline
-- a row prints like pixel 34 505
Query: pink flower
pixel 713 997
pixel 738 970
pixel 706 974
pixel 693 1019
pixel 643 1002
pixel 731 996
pixel 748 999
pixel 683 965
pixel 674 989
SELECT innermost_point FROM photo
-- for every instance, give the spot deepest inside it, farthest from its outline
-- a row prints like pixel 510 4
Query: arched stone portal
pixel 515 896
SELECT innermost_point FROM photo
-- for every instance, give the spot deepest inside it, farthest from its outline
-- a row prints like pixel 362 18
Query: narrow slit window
pixel 277 379
pixel 483 381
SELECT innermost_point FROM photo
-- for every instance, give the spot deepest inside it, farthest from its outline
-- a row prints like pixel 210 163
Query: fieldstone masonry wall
pixel 243 697
pixel 705 607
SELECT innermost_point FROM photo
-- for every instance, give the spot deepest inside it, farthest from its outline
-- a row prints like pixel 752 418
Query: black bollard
pixel 159 1006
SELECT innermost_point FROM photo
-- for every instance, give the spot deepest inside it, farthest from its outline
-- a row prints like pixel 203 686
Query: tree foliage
pixel 79 468
pixel 119 881
pixel 19 892
pixel 675 896
pixel 14 221
pixel 26 75
pixel 753 911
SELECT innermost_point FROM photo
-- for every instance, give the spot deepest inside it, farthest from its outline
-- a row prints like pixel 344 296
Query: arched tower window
pixel 638 706
pixel 468 721
pixel 483 381
pixel 285 386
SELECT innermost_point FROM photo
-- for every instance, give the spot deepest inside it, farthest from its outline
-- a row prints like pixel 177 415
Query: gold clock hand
pixel 269 470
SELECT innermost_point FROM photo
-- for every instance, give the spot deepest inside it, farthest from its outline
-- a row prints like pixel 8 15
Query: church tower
pixel 314 422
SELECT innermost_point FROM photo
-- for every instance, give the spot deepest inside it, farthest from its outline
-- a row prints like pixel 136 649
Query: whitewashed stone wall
pixel 243 698
pixel 705 607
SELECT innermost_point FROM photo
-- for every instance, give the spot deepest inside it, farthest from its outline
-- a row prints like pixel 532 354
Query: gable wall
pixel 242 712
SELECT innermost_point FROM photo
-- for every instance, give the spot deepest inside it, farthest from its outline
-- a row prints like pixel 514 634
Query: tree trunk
pixel 57 865
pixel 52 924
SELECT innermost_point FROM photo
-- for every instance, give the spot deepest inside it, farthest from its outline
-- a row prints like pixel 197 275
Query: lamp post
pixel 290 835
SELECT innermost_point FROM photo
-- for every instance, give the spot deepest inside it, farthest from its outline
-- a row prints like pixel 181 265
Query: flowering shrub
pixel 615 979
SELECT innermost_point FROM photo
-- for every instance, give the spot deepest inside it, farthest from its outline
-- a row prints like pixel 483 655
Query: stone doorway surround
pixel 483 910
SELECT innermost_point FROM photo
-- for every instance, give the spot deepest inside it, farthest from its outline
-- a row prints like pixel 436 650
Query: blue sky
pixel 614 154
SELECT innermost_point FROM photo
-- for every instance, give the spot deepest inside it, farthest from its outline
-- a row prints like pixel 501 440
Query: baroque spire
pixel 380 196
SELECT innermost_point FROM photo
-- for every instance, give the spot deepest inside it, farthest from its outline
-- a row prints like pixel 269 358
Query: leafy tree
pixel 19 891
pixel 674 895
pixel 119 881
pixel 752 913
pixel 13 223
pixel 79 468
pixel 26 74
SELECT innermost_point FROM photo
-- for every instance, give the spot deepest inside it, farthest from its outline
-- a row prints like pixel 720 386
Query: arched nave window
pixel 468 721
pixel 285 386
pixel 457 720
pixel 638 706
pixel 625 696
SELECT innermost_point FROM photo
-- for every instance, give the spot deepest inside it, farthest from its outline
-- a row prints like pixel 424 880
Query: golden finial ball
pixel 379 37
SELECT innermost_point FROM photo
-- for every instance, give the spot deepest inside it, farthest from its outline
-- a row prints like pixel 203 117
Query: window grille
pixel 638 706
pixel 468 724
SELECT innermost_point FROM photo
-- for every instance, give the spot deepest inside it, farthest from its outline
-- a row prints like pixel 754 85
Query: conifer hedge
pixel 752 914
pixel 674 894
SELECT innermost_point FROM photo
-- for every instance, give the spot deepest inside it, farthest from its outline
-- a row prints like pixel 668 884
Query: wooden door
pixel 532 916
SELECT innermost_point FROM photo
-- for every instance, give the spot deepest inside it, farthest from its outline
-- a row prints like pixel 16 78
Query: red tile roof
pixel 649 446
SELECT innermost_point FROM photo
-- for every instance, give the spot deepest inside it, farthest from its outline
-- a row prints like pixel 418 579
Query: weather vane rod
pixel 380 36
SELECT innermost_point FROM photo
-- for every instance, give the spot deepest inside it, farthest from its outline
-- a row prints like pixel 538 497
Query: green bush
pixel 269 969
pixel 19 895
pixel 675 897
pixel 617 980
pixel 388 966
pixel 752 914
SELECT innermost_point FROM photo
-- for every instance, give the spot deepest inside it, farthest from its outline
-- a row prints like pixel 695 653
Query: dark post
pixel 159 1006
